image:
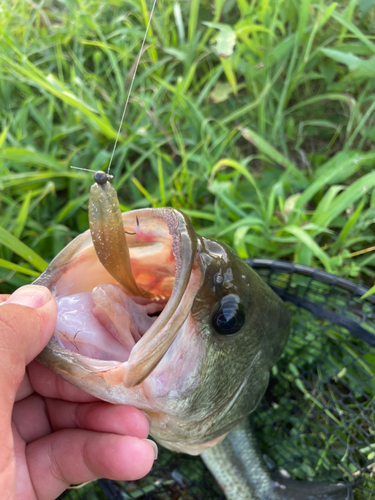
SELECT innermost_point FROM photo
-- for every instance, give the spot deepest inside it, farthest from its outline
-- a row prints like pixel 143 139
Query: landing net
pixel 317 419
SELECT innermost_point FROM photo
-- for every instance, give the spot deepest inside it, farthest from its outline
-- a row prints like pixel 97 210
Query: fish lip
pixel 184 248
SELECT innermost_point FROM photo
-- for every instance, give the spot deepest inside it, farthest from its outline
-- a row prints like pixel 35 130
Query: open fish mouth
pixel 162 319
pixel 115 334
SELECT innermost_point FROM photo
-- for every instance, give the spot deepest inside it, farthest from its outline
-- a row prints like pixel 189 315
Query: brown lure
pixel 107 232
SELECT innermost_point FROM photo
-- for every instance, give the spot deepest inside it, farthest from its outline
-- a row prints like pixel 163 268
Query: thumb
pixel 27 321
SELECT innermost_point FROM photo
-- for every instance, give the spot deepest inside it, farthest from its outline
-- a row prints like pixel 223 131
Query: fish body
pixel 178 326
pixel 205 380
pixel 237 465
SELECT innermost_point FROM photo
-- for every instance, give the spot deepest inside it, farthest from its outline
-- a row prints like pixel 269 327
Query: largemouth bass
pixel 155 316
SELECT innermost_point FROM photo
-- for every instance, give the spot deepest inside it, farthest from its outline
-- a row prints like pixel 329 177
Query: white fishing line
pixel 79 168
pixel 131 84
pixel 129 92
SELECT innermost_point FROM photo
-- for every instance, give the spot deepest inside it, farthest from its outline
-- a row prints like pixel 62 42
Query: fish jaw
pixel 162 253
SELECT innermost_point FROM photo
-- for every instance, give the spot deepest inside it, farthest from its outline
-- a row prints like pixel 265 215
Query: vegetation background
pixel 256 118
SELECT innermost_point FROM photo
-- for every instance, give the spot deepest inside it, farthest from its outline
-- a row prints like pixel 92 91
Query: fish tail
pixel 238 467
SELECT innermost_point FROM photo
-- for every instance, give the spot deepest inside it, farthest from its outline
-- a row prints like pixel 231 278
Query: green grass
pixel 255 118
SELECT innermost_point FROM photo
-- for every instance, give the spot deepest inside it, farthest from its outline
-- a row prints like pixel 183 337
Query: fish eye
pixel 230 317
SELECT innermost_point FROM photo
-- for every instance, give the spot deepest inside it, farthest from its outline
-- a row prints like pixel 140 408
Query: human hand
pixel 51 433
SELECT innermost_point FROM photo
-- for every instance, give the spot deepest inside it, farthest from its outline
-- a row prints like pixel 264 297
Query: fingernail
pixel 154 447
pixel 30 295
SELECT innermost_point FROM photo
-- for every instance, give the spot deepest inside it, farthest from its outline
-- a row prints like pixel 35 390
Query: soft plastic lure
pixel 107 233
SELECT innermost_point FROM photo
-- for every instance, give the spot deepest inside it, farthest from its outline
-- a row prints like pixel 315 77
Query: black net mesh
pixel 317 419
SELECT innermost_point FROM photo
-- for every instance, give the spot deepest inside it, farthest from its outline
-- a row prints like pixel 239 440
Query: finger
pixel 27 321
pixel 36 417
pixel 25 389
pixel 100 417
pixel 50 385
pixel 30 418
pixel 75 456
pixel 4 297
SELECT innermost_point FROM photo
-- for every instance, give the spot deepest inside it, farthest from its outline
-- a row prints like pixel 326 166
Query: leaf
pixel 26 156
pixel 71 207
pixel 225 40
pixel 268 150
pixel 336 169
pixel 369 292
pixel 198 214
pixel 364 68
pixel 246 221
pixel 261 97
pixel 290 203
pixel 353 29
pixel 161 181
pixel 193 19
pixel 18 269
pixel 349 224
pixel 365 6
pixel 22 216
pixel 307 240
pixel 346 199
pixel 228 162
pixel 221 190
pixel 239 242
pixel 177 54
pixel 229 73
pixel 7 239
pixel 144 191
pixel 3 135
pixel 52 85
pixel 350 101
pixel 179 21
pixel 326 202
pixel 221 92
pixel 35 177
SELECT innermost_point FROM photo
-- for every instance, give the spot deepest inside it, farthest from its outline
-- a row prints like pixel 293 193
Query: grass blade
pixel 57 89
pixel 7 239
pixel 26 157
pixel 272 153
pixel 369 292
pixel 193 19
pixel 18 269
pixel 307 240
pixel 346 199
pixel 227 162
pixel 22 216
pixel 336 169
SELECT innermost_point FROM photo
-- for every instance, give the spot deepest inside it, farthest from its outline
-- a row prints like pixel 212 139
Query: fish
pixel 153 315
pixel 238 467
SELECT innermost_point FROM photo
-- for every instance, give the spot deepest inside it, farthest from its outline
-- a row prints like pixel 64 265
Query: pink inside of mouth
pixel 96 317
pixel 105 323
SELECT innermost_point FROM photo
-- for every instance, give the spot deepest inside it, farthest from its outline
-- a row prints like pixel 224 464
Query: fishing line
pixel 131 84
pixel 129 92
pixel 79 168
